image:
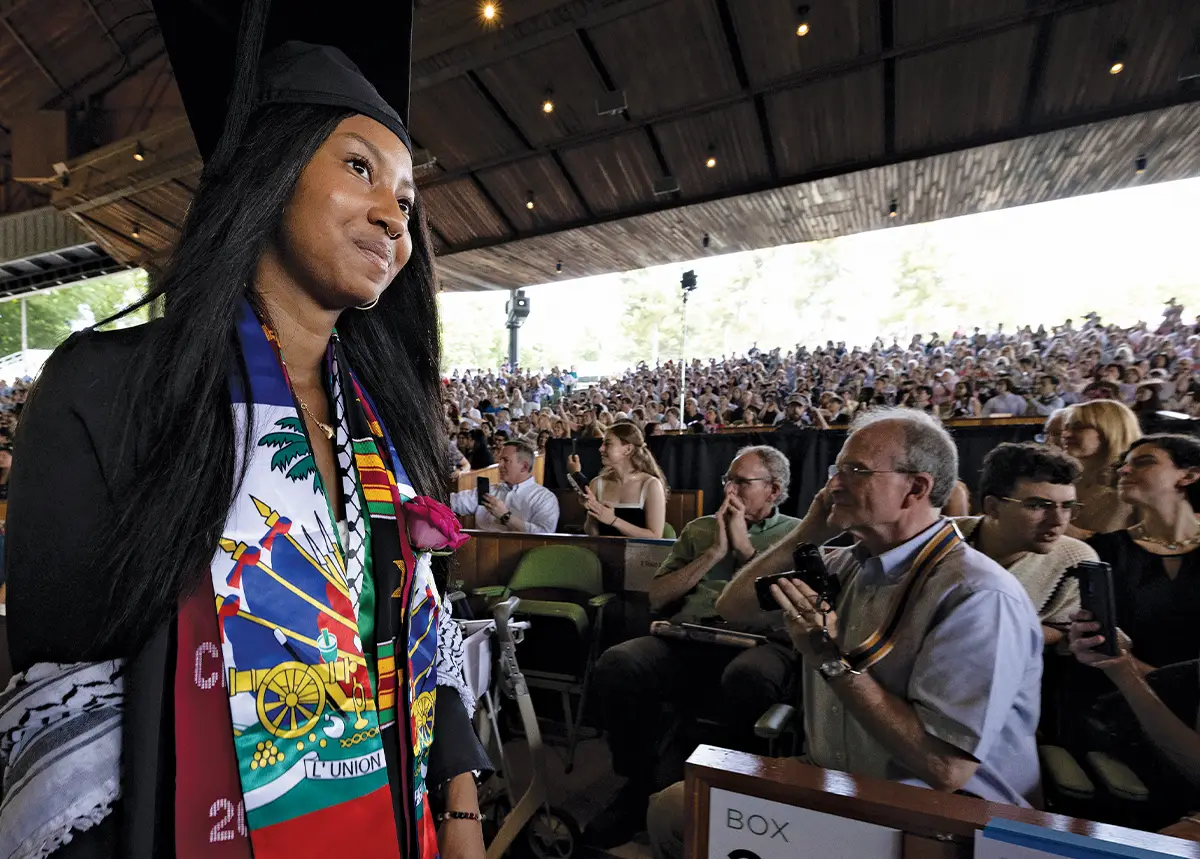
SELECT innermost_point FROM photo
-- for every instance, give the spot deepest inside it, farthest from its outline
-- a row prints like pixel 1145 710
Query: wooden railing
pixel 934 825
pixel 954 422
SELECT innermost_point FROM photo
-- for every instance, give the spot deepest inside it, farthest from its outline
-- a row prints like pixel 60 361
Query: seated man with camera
pixel 922 661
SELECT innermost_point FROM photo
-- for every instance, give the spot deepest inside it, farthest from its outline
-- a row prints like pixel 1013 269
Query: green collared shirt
pixel 698 537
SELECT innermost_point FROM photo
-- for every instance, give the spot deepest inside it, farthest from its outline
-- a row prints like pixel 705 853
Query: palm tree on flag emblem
pixel 294 457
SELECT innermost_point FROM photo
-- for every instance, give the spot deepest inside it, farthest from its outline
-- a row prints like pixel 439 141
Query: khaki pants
pixel 665 821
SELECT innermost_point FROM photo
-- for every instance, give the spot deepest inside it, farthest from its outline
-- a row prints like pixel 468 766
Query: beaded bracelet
pixel 457 815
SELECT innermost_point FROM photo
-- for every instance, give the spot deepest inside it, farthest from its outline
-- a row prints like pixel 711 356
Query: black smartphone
pixel 574 447
pixel 1096 596
pixel 482 487
pixel 809 567
pixel 578 482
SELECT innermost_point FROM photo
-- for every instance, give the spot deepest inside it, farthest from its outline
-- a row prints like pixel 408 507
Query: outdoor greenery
pixel 52 316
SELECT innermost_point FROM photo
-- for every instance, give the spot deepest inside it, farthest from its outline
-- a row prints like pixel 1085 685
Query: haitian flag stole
pixel 311 715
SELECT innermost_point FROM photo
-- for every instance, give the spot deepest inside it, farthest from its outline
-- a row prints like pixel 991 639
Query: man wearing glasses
pixel 636 679
pixel 1029 500
pixel 927 668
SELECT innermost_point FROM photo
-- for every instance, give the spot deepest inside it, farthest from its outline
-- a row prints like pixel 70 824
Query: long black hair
pixel 172 505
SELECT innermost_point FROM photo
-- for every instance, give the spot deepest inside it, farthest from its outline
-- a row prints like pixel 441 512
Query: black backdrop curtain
pixel 698 461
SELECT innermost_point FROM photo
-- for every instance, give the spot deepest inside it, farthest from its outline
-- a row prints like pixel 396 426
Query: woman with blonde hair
pixel 1097 433
pixel 629 497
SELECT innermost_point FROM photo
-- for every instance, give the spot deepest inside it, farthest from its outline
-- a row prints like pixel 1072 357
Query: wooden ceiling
pixel 947 106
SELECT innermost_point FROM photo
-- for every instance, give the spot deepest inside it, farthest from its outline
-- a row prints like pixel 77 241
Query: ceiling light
pixel 711 161
pixel 136 232
pixel 893 209
pixel 706 241
pixel 1116 63
pixel 802 27
pixel 139 154
pixel 1140 164
pixel 529 201
pixel 489 11
pixel 548 102
pixel 558 267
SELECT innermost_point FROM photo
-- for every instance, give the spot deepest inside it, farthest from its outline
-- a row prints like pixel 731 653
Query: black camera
pixel 808 567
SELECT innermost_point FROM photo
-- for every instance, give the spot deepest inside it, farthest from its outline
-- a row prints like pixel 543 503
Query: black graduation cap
pixel 207 39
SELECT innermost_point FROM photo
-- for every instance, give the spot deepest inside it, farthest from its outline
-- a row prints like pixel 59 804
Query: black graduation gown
pixel 66 459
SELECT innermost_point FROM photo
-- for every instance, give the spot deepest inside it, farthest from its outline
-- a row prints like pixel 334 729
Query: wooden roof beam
pixel 729 30
pixel 91 7
pixel 1037 69
pixel 29 52
pixel 887 43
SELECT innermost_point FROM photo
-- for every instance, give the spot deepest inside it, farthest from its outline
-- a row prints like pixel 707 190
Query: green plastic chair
pixel 668 531
pixel 563 584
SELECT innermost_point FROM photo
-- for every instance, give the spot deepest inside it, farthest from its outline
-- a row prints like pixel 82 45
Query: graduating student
pixel 222 592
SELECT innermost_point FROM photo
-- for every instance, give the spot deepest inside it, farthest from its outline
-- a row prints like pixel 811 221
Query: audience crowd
pixel 991 660
pixel 1024 372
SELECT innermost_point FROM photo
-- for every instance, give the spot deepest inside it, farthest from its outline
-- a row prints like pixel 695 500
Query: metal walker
pixel 529 825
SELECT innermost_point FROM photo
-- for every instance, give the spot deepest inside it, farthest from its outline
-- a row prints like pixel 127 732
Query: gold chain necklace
pixel 1170 545
pixel 325 428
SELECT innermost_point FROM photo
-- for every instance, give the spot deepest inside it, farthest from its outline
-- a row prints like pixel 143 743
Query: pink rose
pixel 432 526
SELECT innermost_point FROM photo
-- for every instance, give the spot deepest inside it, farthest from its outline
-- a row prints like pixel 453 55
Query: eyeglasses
pixel 1045 505
pixel 848 471
pixel 742 482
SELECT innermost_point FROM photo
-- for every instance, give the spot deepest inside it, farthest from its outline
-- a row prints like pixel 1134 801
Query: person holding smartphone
pixel 1175 740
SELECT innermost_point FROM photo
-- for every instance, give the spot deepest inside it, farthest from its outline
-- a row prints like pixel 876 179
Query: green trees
pixel 52 316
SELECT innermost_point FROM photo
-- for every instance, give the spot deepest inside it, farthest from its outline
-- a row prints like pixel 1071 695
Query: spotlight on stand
pixel 688 284
pixel 518 311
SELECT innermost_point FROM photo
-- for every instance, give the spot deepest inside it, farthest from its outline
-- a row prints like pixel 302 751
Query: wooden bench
pixel 491 557
pixel 934 825
pixel 469 479
pixel 683 506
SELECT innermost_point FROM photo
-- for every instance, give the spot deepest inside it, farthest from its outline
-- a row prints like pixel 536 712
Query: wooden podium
pixel 921 823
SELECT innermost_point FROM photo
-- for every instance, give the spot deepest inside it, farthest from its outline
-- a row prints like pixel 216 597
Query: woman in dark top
pixel 1156 563
pixel 1156 574
pixel 629 497
pixel 474 446
pixel 218 500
